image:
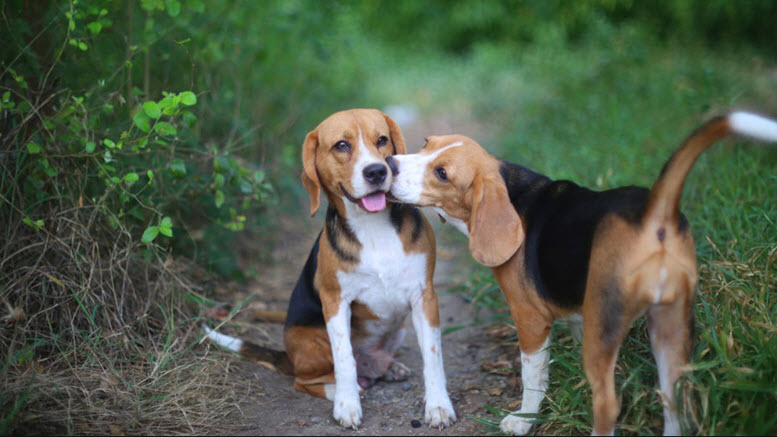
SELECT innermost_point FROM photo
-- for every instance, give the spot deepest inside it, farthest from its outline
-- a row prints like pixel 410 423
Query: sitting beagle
pixel 371 266
pixel 560 250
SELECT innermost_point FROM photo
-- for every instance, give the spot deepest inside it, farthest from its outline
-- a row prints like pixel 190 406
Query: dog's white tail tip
pixel 222 340
pixel 752 125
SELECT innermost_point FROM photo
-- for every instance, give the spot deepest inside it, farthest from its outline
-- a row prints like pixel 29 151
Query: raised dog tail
pixel 663 207
pixel 274 358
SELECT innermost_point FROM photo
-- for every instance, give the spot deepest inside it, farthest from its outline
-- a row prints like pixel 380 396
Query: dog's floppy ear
pixel 396 136
pixel 495 229
pixel 309 173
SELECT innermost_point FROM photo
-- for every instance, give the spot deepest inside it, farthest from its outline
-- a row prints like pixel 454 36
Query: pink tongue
pixel 374 202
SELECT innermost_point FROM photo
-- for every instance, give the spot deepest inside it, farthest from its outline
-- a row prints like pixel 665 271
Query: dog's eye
pixel 382 141
pixel 342 146
pixel 441 174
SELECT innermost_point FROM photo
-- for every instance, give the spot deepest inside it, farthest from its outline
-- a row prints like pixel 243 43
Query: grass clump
pixel 96 339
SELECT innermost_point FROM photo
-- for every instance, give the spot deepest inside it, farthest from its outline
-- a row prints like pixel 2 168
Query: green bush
pixel 170 109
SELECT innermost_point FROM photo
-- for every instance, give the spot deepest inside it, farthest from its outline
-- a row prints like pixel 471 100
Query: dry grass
pixel 95 339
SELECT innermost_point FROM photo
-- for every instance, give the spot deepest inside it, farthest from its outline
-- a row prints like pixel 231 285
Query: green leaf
pixel 188 98
pixel 82 46
pixel 167 103
pixel 165 128
pixel 218 180
pixel 131 177
pixel 178 169
pixel 90 146
pixel 152 109
pixel 150 175
pixel 219 198
pixel 166 227
pixel 33 148
pixel 109 143
pixel 37 224
pixel 142 121
pixel 94 27
pixel 150 233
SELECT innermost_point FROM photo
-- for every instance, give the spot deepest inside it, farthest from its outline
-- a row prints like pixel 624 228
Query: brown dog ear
pixel 309 173
pixel 396 136
pixel 495 229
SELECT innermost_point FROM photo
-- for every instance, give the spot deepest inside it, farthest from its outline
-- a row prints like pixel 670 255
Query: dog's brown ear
pixel 495 229
pixel 396 136
pixel 309 173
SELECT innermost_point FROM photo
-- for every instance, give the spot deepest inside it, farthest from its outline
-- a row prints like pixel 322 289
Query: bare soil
pixel 271 406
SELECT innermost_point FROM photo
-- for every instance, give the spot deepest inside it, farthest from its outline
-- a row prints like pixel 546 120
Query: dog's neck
pixel 344 219
pixel 523 185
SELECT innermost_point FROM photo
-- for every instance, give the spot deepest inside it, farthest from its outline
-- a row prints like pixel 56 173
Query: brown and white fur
pixel 559 250
pixel 371 266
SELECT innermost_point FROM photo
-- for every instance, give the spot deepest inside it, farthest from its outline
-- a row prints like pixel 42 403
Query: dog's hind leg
pixel 310 353
pixel 607 317
pixel 396 371
pixel 670 338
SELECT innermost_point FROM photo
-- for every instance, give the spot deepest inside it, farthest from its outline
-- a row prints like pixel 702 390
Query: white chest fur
pixel 387 279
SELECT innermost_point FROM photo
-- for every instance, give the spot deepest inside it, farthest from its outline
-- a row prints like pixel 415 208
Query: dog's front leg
pixel 439 411
pixel 347 406
pixel 534 374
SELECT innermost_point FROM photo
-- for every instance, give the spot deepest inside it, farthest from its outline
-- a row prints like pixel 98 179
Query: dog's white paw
pixel 515 425
pixel 397 372
pixel 348 411
pixel 441 415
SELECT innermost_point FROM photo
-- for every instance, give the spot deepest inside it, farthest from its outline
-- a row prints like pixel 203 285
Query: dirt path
pixel 271 406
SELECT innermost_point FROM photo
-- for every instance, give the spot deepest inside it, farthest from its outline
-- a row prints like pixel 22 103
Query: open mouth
pixel 373 202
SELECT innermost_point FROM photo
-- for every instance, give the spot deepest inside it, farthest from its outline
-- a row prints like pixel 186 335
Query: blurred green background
pixel 174 127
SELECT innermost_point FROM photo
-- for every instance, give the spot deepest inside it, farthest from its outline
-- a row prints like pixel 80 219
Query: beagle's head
pixel 462 182
pixel 346 156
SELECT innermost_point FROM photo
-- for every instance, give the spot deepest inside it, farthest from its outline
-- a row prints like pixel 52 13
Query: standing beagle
pixel 560 250
pixel 371 266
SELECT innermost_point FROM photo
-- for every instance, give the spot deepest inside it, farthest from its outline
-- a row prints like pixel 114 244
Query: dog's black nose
pixel 392 163
pixel 375 173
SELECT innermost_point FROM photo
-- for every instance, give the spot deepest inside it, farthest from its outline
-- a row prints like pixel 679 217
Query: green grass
pixel 608 112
